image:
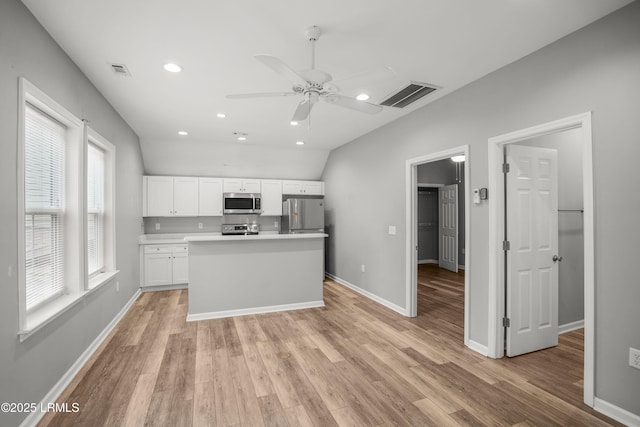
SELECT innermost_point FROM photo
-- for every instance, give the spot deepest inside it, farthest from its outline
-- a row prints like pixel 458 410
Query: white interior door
pixel 532 232
pixel 448 233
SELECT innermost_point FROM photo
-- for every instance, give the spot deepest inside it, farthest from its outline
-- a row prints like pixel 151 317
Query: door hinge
pixel 506 322
pixel 505 168
pixel 506 246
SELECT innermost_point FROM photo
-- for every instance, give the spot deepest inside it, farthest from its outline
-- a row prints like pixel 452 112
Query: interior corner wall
pixel 30 369
pixel 595 69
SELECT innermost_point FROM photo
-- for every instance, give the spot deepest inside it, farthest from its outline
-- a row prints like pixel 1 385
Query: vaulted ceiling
pixel 448 43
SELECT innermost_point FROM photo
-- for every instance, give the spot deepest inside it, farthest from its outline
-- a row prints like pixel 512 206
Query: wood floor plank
pixel 352 362
pixel 204 404
pixel 272 412
pixel 248 406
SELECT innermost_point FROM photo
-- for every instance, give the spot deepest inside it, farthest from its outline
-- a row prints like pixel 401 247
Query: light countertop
pixel 177 238
pixel 261 236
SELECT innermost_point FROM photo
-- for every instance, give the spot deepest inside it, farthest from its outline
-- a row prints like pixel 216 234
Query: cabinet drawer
pixel 157 249
pixel 180 249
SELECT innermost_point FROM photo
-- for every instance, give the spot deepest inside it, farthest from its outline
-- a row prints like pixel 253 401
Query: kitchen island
pixel 240 275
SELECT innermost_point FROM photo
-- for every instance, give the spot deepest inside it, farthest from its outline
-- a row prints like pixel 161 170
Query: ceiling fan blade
pixel 302 112
pixel 260 95
pixel 361 80
pixel 352 103
pixel 277 65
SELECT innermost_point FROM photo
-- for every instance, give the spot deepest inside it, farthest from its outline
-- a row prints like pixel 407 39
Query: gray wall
pixel 570 223
pixel 28 370
pixel 594 69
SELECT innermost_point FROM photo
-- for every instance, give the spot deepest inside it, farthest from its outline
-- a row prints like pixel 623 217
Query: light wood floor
pixel 351 363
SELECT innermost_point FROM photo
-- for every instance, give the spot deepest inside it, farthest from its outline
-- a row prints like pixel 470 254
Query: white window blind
pixel 95 208
pixel 44 207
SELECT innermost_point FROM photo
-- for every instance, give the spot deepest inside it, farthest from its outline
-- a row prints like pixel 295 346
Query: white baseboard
pixel 568 327
pixel 58 388
pixel 428 261
pixel 482 349
pixel 369 295
pixel 612 411
pixel 163 288
pixel 460 267
pixel 253 310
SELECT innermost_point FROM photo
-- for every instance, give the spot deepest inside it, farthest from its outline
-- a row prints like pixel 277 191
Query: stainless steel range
pixel 229 229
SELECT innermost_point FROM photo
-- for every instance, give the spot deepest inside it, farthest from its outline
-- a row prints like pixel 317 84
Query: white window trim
pixel 80 285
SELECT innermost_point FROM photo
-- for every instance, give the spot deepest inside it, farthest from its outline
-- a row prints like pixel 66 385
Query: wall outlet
pixel 362 267
pixel 634 357
pixel 118 286
pixel 392 230
pixel 463 250
pixel 275 224
pixel 200 226
pixel 157 226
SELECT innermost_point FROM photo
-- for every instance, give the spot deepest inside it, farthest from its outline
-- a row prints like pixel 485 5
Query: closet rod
pixel 571 210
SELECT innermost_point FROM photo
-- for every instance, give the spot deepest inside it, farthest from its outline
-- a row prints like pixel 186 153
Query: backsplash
pixel 210 224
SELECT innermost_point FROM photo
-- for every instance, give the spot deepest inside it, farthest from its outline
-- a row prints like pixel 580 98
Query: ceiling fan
pixel 313 84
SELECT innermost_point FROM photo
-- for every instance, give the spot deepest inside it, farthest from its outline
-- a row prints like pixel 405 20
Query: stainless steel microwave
pixel 242 203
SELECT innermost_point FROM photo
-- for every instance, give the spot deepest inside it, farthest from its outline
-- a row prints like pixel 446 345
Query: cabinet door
pixel 271 197
pixel 232 185
pixel 185 196
pixel 159 196
pixel 251 186
pixel 157 269
pixel 210 197
pixel 291 187
pixel 180 268
pixel 313 188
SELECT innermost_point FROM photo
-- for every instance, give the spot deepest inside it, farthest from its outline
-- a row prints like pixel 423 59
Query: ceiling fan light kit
pixel 313 84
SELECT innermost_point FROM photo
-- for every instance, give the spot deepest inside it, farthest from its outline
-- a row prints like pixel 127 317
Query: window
pixel 65 193
pixel 95 209
pixel 100 249
pixel 44 207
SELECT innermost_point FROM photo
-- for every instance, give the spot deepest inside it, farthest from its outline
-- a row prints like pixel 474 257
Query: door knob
pixel 556 258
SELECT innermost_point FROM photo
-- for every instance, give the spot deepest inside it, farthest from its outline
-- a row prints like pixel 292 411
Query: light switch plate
pixel 392 230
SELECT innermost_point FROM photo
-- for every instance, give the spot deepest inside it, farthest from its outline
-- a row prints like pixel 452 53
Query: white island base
pixel 241 275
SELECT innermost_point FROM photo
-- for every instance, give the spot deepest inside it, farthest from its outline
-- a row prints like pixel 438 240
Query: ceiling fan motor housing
pixel 313 33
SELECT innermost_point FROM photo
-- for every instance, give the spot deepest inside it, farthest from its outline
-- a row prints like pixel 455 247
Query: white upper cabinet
pixel 185 196
pixel 271 197
pixel 170 196
pixel 210 197
pixel 159 195
pixel 308 188
pixel 239 185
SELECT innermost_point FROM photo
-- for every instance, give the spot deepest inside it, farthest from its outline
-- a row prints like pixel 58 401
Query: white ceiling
pixel 449 43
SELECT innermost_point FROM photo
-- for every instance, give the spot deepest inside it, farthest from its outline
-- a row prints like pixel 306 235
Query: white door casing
pixel 448 230
pixel 532 232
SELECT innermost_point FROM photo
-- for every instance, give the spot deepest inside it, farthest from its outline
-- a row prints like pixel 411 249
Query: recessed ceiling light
pixel 172 68
pixel 221 115
pixel 459 158
pixel 294 123
pixel 183 133
pixel 362 97
pixel 300 143
pixel 242 138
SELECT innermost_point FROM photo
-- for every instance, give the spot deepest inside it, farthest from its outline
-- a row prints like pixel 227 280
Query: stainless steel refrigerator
pixel 302 216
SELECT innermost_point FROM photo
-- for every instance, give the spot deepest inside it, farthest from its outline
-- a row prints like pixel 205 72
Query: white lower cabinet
pixel 165 265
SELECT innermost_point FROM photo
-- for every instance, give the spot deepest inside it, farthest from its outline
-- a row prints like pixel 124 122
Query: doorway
pixel 499 263
pixel 412 228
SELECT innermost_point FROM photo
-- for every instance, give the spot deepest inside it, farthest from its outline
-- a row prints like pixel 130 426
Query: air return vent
pixel 121 70
pixel 408 94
